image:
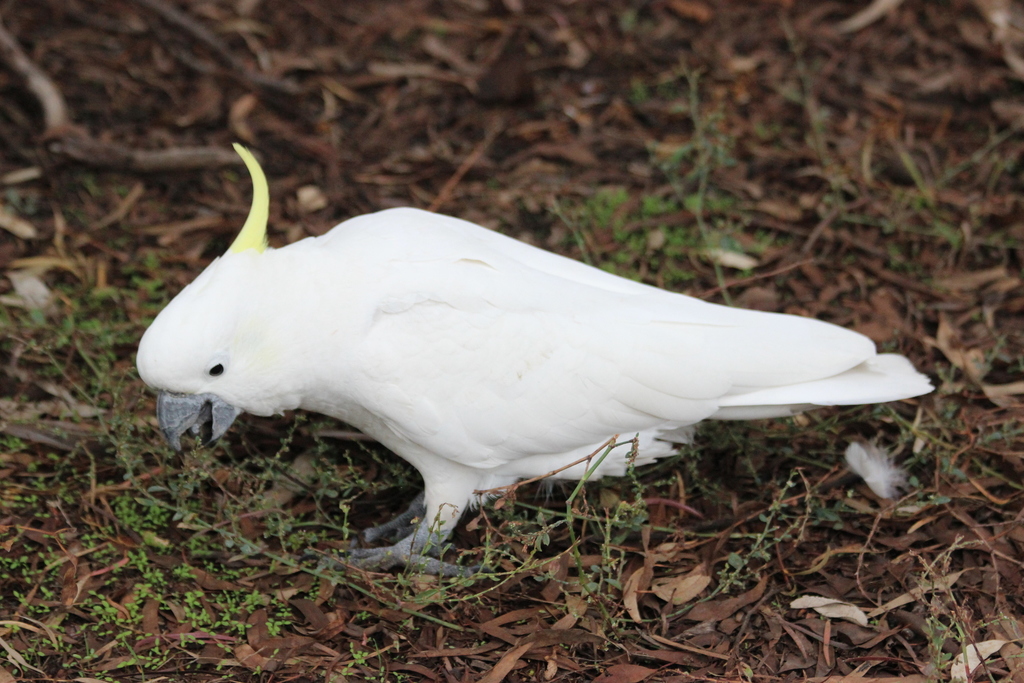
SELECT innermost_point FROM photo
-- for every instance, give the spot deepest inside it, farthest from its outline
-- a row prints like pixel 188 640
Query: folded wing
pixel 488 350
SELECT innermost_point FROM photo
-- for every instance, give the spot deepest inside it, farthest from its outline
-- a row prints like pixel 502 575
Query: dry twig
pixel 183 21
pixel 104 155
pixel 55 109
pixel 470 161
pixel 610 443
pixel 867 16
pixel 76 144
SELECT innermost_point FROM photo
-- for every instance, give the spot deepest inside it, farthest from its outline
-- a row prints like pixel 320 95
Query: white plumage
pixel 481 360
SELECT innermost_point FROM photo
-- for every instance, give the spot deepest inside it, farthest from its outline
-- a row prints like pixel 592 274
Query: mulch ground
pixel 771 154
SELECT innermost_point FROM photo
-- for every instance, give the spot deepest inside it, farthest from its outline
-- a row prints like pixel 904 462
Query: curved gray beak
pixel 178 413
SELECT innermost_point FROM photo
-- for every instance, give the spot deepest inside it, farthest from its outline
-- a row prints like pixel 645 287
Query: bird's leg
pixel 448 490
pixel 401 526
pixel 416 551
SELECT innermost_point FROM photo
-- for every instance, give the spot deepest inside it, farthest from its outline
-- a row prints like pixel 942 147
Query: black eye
pixel 216 370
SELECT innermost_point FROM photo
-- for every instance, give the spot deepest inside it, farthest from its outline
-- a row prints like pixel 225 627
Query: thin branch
pixel 495 127
pixel 76 144
pixel 668 502
pixel 513 487
pixel 753 278
pixel 174 16
pixel 55 108
pixel 105 155
pixel 867 16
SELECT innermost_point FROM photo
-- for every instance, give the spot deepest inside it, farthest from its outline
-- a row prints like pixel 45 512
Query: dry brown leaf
pixel 547 637
pixel 625 673
pixel 672 145
pixel 997 13
pixel 341 91
pixel 123 207
pixel 17 226
pixel 579 54
pixel 609 499
pixel 408 70
pixel 784 211
pixel 691 9
pixel 22 175
pixel 726 607
pixel 573 151
pixel 30 289
pixel 73 581
pixel 24 412
pixel 867 16
pixel 1009 111
pixel 16 657
pixel 629 595
pixel 310 199
pixel 822 560
pixel 168 233
pixel 703 652
pixel 507 78
pixel 1004 19
pixel 82 410
pixel 41 629
pixel 969 281
pixel 249 658
pixel 42 264
pixel 238 116
pixel 1001 395
pixel 758 298
pixel 857 677
pixel 204 104
pixel 505 664
pixel 831 608
pixel 679 590
pixel 314 615
pixel 732 259
pixel 746 64
pixel 656 239
pixel 299 475
pixel 210 582
pixel 1003 390
pixel 942 583
pixel 439 49
pixel 976 654
pixel 971 361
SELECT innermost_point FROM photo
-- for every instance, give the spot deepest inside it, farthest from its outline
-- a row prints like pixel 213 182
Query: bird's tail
pixel 887 377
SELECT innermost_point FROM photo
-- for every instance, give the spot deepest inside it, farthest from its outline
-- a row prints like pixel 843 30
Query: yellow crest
pixel 254 232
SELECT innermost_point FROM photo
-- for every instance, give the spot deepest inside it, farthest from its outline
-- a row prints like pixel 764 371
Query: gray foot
pixel 415 551
pixel 399 527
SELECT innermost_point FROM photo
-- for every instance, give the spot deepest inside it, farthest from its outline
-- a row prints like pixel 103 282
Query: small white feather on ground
pixel 876 468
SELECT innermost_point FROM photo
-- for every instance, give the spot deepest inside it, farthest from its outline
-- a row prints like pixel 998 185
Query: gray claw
pixel 416 551
pixel 399 527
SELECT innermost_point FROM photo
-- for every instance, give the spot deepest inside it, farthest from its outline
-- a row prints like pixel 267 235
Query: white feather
pixel 876 468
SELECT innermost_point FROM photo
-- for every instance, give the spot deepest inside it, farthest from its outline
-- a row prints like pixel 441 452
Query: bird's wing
pixel 480 357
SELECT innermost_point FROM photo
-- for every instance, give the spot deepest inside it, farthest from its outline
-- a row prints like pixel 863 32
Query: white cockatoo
pixel 479 359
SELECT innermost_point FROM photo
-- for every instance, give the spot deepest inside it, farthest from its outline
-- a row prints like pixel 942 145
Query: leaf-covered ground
pixel 764 154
